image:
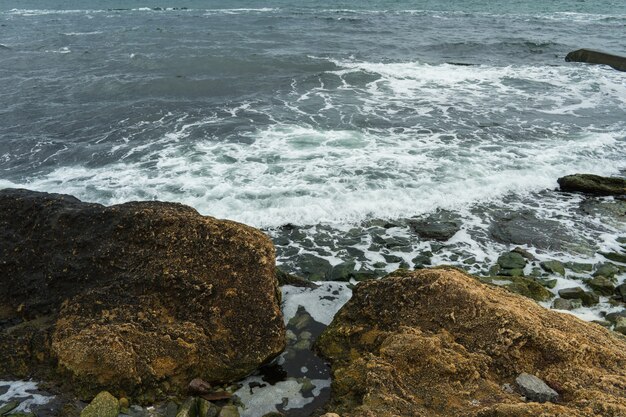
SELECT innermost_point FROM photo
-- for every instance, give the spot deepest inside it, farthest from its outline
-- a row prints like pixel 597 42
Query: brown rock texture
pixel 438 342
pixel 137 298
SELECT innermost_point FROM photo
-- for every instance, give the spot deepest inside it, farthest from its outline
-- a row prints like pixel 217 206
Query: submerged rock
pixel 439 343
pixel 523 227
pixel 441 225
pixel 593 184
pixel 137 298
pixel 596 57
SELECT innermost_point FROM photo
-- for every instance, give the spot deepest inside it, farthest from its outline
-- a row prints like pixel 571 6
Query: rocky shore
pixel 137 299
pixel 150 309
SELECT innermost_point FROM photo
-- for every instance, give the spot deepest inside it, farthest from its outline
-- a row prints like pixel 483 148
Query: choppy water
pixel 314 120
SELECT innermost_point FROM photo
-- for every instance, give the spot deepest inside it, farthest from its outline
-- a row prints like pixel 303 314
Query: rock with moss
pixel 512 260
pixel 8 407
pixel 441 225
pixel 527 287
pixel 615 256
pixel 343 271
pixel 472 339
pixel 229 411
pixel 607 270
pixel 103 405
pixel 620 291
pixel 602 285
pixel 285 278
pixel 588 298
pixel 620 325
pixel 563 304
pixel 593 184
pixel 579 268
pixel 207 408
pixel 547 282
pixel 137 298
pixel 553 267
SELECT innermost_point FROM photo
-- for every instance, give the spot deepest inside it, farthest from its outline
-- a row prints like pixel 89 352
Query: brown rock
pixel 439 343
pixel 135 298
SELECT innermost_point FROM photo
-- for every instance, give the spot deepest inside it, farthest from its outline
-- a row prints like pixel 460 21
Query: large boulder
pixel 137 298
pixel 593 184
pixel 596 57
pixel 439 343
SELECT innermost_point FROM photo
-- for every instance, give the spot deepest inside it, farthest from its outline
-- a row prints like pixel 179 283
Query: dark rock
pixel 612 317
pixel 620 290
pixel 579 268
pixel 8 407
pixel 589 56
pixel 614 256
pixel 434 341
pixel 546 282
pixel 610 211
pixel 355 253
pixel 511 260
pixel 422 260
pixel 524 253
pixel 523 227
pixel 207 409
pixel 563 304
pixel 189 408
pixel 391 259
pixel 343 271
pixel 296 281
pixel 314 268
pixel 520 285
pixel 554 267
pixel 137 298
pixel 588 298
pixel 604 323
pixel 441 226
pixel 606 269
pixel 602 285
pixel 620 325
pixel 511 272
pixel 534 389
pixel 593 184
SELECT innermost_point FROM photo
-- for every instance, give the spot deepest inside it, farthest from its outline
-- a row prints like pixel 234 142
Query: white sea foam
pixel 22 391
pixel 440 157
pixel 321 303
pixel 264 399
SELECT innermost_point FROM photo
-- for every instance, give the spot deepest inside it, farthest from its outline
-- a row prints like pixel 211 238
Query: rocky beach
pixel 266 208
pixel 150 309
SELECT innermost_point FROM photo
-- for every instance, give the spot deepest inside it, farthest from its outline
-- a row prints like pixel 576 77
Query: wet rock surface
pixel 137 298
pixel 590 56
pixel 472 339
pixel 593 184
